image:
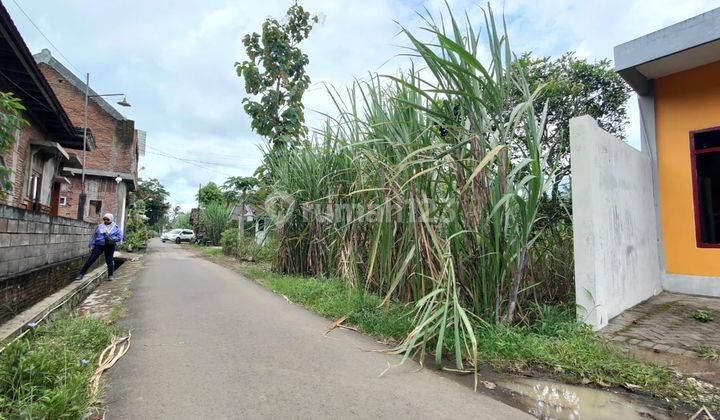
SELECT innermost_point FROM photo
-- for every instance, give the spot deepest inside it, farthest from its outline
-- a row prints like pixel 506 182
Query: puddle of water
pixel 552 400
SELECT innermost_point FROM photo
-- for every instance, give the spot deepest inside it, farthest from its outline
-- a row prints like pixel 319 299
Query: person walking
pixel 103 241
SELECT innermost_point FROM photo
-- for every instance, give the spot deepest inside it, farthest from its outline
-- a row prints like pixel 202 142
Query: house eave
pixel 682 46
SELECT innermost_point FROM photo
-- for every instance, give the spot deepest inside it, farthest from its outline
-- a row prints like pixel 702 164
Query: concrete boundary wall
pixel 39 254
pixel 614 224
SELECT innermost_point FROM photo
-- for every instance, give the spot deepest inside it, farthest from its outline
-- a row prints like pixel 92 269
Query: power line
pixel 191 163
pixel 46 38
pixel 205 162
pixel 219 155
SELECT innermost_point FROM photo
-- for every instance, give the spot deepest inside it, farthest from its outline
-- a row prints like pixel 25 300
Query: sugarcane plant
pixel 425 188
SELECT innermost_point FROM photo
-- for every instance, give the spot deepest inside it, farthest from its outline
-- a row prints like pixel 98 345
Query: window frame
pixel 99 211
pixel 696 194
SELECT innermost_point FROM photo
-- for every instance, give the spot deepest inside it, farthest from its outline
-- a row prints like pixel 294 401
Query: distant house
pixel 647 221
pixel 253 214
pixel 45 148
pixel 111 170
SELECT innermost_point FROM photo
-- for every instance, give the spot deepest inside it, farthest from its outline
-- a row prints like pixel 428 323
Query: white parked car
pixel 178 235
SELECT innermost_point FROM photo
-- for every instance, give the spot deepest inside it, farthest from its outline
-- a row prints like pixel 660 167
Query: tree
pixel 10 121
pixel 574 87
pixel 181 221
pixel 154 194
pixel 238 188
pixel 275 77
pixel 209 193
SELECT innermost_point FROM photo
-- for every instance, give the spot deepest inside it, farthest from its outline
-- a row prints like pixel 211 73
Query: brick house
pixel 111 170
pixel 39 157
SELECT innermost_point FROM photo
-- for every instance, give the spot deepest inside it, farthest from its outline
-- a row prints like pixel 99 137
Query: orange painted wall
pixel 684 102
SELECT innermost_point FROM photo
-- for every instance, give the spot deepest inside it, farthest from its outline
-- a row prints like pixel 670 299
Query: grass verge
pixel 46 373
pixel 212 251
pixel 554 344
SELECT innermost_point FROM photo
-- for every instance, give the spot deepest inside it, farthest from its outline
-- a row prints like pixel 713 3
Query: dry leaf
pixel 489 385
pixel 631 387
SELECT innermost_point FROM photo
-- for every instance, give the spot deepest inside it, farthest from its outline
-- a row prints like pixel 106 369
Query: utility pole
pixel 83 193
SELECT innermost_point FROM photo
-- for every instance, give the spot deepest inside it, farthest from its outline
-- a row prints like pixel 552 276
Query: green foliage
pixel 42 375
pixel 209 193
pixel 181 221
pixel 214 219
pixel 552 341
pixel 10 121
pixel 703 315
pixel 137 234
pixel 446 216
pixel 275 77
pixel 248 249
pixel 239 189
pixel 707 352
pixel 154 194
pixel 332 298
pixel 229 241
pixel 573 87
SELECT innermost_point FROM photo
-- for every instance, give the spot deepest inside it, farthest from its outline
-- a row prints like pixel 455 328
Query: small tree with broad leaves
pixel 275 77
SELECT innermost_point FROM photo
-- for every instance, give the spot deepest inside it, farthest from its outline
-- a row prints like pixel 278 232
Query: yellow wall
pixel 684 102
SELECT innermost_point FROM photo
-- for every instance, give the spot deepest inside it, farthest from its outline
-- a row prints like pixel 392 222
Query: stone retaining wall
pixel 39 254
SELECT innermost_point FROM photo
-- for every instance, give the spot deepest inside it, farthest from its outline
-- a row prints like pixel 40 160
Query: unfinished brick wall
pixel 97 189
pixel 115 153
pixel 16 158
pixel 115 143
pixel 39 254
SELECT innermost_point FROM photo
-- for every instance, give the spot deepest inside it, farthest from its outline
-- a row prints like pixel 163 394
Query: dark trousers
pixel 98 250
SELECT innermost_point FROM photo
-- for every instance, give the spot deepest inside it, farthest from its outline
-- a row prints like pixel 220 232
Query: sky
pixel 175 60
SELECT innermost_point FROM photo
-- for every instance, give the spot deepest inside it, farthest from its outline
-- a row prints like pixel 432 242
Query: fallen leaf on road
pixel 335 324
pixel 489 385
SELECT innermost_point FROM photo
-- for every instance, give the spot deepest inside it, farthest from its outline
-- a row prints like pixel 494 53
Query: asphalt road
pixel 208 343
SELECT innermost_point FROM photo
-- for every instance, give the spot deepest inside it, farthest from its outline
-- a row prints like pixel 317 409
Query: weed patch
pixel 703 315
pixel 46 373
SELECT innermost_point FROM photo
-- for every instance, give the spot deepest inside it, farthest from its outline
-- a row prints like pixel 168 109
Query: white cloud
pixel 175 59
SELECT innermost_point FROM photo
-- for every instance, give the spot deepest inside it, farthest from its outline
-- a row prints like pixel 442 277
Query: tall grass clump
pixel 47 373
pixel 214 219
pixel 425 188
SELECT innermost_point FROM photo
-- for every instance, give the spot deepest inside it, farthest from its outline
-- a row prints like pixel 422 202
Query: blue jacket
pixel 113 231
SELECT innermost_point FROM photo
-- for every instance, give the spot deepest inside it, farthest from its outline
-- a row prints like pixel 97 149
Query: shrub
pixel 248 249
pixel 137 233
pixel 229 241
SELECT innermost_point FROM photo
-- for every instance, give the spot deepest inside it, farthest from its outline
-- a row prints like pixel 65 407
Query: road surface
pixel 208 343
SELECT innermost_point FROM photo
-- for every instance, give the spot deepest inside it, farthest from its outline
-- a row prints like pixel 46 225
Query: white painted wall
pixel 614 224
